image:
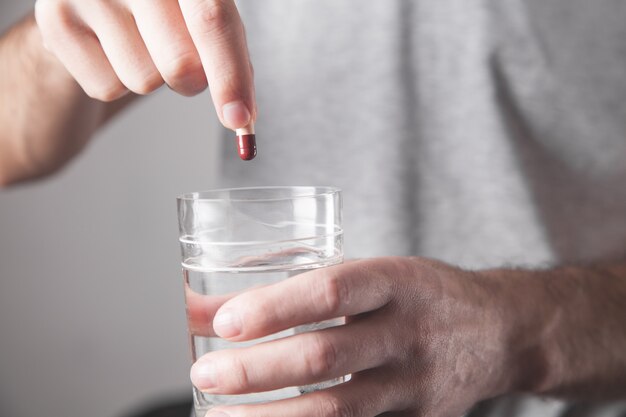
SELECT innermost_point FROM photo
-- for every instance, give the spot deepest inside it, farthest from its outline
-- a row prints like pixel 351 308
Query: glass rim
pixel 305 191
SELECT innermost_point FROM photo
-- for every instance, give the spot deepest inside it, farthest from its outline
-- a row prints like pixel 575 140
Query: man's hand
pixel 422 339
pixel 110 47
pixel 113 46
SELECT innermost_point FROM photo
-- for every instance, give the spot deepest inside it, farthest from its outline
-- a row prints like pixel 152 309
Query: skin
pixel 73 64
pixel 65 116
pixel 438 338
pixel 434 339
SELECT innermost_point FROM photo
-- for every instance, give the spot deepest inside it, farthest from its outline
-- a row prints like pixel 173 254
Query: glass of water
pixel 236 239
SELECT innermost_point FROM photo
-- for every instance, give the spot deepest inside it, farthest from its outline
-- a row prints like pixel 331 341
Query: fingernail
pixel 227 324
pixel 215 414
pixel 203 375
pixel 236 114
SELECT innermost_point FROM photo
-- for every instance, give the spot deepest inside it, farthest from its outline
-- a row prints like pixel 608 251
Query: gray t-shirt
pixel 485 133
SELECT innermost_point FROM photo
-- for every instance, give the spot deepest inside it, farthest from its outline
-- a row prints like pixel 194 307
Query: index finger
pixel 313 296
pixel 218 34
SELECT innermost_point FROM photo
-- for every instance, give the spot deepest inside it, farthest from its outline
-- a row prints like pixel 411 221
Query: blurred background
pixel 92 318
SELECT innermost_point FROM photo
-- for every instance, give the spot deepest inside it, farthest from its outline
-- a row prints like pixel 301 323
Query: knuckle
pixel 334 406
pixel 49 8
pixel 145 85
pixel 182 66
pixel 261 316
pixel 237 376
pixel 213 16
pixel 54 14
pixel 106 94
pixel 321 358
pixel 334 291
pixel 185 73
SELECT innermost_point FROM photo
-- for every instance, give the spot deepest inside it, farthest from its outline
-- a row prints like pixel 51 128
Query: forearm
pixel 45 117
pixel 566 329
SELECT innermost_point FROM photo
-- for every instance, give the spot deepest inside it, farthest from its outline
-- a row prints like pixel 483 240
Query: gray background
pixel 91 304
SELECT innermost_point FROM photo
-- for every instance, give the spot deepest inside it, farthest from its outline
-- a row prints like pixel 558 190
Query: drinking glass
pixel 236 239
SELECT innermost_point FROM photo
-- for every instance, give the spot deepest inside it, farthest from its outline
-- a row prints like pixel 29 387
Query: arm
pixel 46 117
pixel 567 329
pixel 439 339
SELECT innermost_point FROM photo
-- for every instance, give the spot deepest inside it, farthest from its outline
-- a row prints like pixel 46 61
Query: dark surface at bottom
pixel 174 408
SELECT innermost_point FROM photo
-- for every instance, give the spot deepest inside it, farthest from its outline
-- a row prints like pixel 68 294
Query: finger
pixel 313 296
pixel 218 34
pixel 366 395
pixel 121 41
pixel 298 360
pixel 201 310
pixel 78 48
pixel 168 41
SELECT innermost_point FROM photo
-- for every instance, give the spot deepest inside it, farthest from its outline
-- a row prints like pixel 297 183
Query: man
pixel 486 134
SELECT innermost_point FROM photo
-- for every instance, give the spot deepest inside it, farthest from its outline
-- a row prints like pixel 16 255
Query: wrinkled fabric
pixel 485 133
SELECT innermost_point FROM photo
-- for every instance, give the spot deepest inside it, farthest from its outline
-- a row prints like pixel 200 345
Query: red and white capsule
pixel 246 142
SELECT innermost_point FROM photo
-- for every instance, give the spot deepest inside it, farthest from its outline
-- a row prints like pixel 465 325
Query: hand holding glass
pixel 236 239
